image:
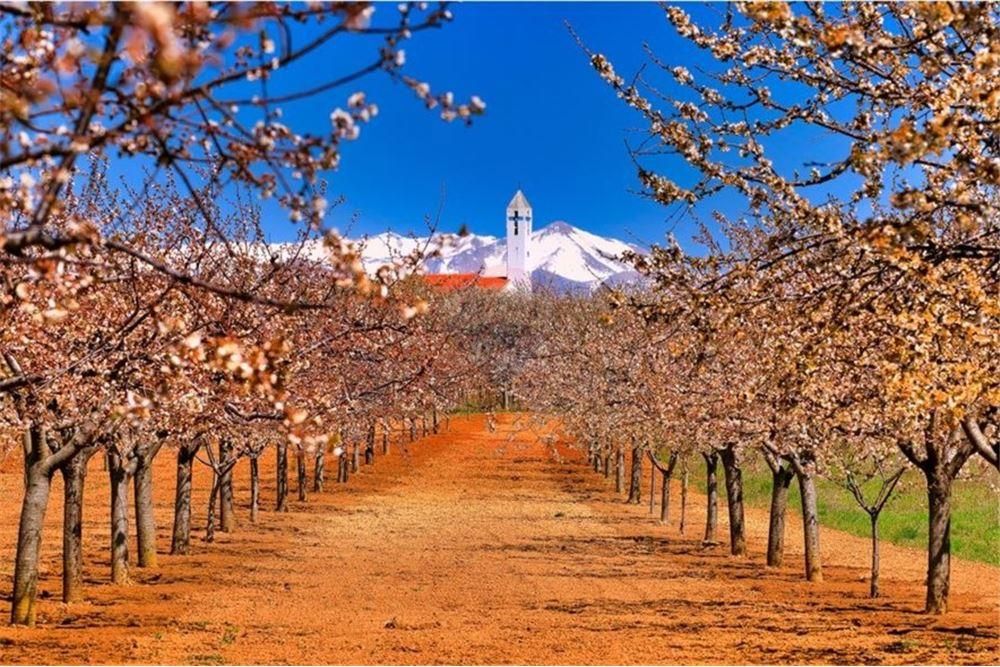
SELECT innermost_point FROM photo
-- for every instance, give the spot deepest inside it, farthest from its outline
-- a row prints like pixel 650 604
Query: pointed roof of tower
pixel 519 201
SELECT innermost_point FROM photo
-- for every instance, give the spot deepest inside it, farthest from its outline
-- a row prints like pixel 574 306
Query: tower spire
pixel 519 219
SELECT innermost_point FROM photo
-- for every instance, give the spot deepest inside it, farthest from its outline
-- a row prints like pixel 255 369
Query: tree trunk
pixel 74 474
pixel 684 495
pixel 413 429
pixel 712 496
pixel 664 498
pixel 282 482
pixel 595 460
pixel 180 542
pixel 939 542
pixel 781 480
pixel 434 420
pixel 873 589
pixel 652 487
pixel 38 478
pixel 300 464
pixel 319 470
pixel 118 473
pixel 734 498
pixel 145 521
pixel 254 489
pixel 356 458
pixel 227 517
pixel 635 482
pixel 385 440
pixel 620 470
pixel 810 525
pixel 607 465
pixel 212 499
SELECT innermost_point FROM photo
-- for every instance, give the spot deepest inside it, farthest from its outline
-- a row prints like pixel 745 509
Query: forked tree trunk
pixel 282 482
pixel 227 515
pixel 119 473
pixel 145 521
pixel 734 497
pixel 781 480
pixel 620 470
pixel 254 489
pixel 712 497
pixel 38 484
pixel 300 464
pixel 180 542
pixel 319 470
pixel 810 524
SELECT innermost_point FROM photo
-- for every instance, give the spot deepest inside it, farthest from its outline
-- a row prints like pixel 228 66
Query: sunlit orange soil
pixel 481 547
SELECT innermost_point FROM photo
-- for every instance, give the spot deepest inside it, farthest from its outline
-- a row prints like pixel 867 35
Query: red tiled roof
pixel 448 282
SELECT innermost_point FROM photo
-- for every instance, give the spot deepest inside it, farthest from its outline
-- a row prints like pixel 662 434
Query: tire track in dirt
pixel 486 547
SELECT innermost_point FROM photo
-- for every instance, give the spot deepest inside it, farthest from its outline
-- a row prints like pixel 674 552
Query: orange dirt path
pixel 476 546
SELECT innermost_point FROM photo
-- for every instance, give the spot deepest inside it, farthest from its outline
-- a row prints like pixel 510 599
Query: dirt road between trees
pixel 482 546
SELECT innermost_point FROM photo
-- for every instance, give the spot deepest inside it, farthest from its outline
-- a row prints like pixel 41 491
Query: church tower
pixel 518 236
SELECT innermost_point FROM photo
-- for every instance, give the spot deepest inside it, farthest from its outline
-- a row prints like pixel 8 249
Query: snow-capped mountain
pixel 560 255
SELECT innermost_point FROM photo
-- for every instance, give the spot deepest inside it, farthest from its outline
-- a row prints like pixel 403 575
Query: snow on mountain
pixel 560 255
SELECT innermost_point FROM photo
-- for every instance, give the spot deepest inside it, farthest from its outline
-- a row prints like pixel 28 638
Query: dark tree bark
pixel 734 497
pixel 667 473
pixel 213 498
pixel 620 470
pixel 607 465
pixel 74 474
pixel 781 480
pixel 413 429
pixel 941 460
pixel 712 496
pixel 40 463
pixel 385 439
pixel 38 484
pixel 282 482
pixel 370 445
pixel 180 542
pixel 356 458
pixel 120 471
pixel 254 489
pixel 810 516
pixel 939 543
pixel 635 479
pixel 434 420
pixel 145 519
pixel 319 470
pixel 300 464
pixel 684 494
pixel 227 515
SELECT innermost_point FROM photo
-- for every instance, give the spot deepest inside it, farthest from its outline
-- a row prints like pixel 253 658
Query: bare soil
pixel 481 546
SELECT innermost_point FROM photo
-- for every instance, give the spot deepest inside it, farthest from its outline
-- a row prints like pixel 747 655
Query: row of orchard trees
pixel 106 357
pixel 148 317
pixel 848 323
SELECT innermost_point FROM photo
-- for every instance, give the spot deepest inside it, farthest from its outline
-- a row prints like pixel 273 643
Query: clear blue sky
pixel 552 126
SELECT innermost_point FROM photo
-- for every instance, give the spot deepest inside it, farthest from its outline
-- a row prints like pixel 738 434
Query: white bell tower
pixel 518 236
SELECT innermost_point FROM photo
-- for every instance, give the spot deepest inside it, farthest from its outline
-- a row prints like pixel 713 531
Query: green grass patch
pixel 975 521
